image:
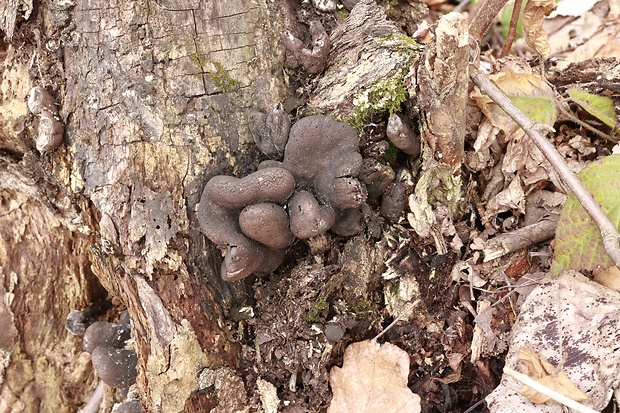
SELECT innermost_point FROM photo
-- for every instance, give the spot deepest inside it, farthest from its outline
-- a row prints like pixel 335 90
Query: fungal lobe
pixel 402 136
pixel 331 175
pixel 266 223
pixel 272 139
pixel 312 59
pixel 102 333
pixel 116 367
pixel 308 218
pixel 222 199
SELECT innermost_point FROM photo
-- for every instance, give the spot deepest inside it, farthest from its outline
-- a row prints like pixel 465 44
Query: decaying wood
pixel 520 238
pixel 10 11
pixel 44 271
pixel 443 80
pixel 158 98
pixel 367 51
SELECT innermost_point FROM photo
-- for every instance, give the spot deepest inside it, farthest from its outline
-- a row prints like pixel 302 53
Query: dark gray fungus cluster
pixel 115 364
pixel 316 181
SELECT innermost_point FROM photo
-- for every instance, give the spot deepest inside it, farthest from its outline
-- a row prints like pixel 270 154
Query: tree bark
pixel 157 97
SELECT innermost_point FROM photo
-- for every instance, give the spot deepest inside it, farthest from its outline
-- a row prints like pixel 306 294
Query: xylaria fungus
pixel 402 136
pixel 266 223
pixel 311 59
pixel 376 176
pixel 323 156
pixel 245 216
pixel 394 201
pixel 113 360
pixel 78 321
pixel 271 139
pixel 50 128
pixel 308 218
pixel 102 333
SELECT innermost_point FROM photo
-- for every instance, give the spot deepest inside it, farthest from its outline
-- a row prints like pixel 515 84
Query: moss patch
pixel 386 95
pixel 222 78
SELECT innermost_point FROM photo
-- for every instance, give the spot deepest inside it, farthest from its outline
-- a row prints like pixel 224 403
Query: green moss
pixel 222 79
pixel 387 95
pixel 362 307
pixel 318 307
pixel 342 14
pixel 390 156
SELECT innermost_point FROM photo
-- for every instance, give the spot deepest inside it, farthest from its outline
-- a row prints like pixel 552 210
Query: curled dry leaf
pixel 533 18
pixel 373 378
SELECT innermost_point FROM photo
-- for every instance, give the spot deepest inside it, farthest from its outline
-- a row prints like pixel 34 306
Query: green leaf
pixel 600 107
pixel 578 243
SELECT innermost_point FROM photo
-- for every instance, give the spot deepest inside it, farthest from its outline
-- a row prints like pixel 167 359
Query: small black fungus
pixel 332 175
pixel 333 332
pixel 102 333
pixel 308 218
pixel 78 321
pixel 50 129
pixel 402 136
pixel 376 176
pixel 116 367
pixel 394 201
pixel 245 216
pixel 272 139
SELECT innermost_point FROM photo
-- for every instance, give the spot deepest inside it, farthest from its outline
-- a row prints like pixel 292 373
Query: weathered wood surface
pixel 159 96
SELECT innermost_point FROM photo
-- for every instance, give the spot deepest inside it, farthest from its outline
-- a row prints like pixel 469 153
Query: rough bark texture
pixel 369 59
pixel 156 98
pixel 159 96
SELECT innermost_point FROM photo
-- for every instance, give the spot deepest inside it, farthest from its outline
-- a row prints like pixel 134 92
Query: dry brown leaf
pixel 604 42
pixel 609 277
pixel 570 318
pixel 533 18
pixel 538 368
pixel 373 378
pixel 528 92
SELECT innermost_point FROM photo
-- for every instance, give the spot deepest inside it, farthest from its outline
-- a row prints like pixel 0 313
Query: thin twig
pixel 397 319
pixel 512 29
pixel 609 233
pixel 541 388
